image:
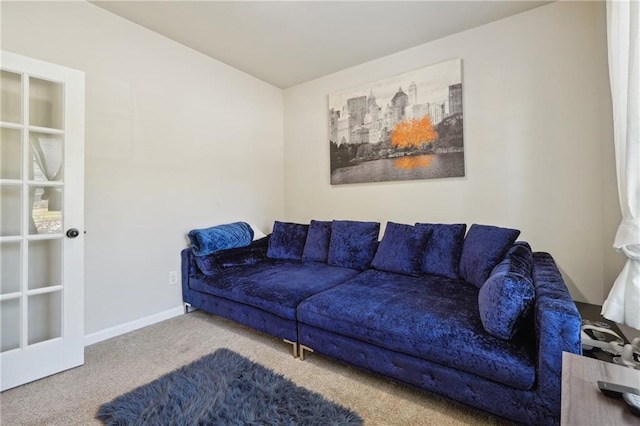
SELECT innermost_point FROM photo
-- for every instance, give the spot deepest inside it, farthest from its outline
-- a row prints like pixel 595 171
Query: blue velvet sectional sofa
pixel 474 316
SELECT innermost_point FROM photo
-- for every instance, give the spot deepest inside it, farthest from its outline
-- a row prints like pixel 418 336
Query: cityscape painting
pixel 401 128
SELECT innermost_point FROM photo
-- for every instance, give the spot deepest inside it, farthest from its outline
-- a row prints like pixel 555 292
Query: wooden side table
pixel 583 403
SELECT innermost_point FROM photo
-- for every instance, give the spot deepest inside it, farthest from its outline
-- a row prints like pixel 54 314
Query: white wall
pixel 174 140
pixel 538 142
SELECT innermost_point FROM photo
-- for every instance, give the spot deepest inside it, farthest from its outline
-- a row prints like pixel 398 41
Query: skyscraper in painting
pixel 455 98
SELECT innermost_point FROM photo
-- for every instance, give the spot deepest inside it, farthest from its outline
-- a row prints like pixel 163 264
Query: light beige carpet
pixel 118 365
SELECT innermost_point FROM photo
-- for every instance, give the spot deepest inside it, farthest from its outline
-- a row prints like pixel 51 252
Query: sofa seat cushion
pixel 430 317
pixel 277 286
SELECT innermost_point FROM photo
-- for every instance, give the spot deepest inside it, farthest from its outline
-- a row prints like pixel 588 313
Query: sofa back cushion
pixel 402 249
pixel 287 241
pixel 506 299
pixel 353 244
pixel 484 247
pixel 442 256
pixel 316 247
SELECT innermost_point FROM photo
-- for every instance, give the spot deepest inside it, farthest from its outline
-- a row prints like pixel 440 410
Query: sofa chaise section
pixel 432 344
pixel 427 317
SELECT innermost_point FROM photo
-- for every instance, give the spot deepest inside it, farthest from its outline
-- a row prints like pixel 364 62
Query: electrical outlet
pixel 173 277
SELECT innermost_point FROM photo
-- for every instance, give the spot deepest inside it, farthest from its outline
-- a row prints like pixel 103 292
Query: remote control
pixel 634 402
pixel 616 391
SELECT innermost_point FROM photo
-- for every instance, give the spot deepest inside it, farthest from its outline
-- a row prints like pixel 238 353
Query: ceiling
pixel 289 42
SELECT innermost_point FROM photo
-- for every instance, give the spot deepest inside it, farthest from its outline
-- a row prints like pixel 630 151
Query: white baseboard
pixel 117 330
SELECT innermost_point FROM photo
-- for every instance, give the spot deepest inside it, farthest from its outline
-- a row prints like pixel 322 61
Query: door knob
pixel 72 233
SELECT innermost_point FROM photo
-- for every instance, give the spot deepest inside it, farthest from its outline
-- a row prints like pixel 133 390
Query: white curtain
pixel 623 16
pixel 47 154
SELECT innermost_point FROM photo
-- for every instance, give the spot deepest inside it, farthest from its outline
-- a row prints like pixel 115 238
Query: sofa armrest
pixel 214 263
pixel 219 261
pixel 188 268
pixel 557 325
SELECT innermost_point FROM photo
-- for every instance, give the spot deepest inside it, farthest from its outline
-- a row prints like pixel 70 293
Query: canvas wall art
pixel 400 128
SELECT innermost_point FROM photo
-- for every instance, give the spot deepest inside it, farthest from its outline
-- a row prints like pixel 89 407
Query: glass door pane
pixel 10 97
pixel 45 263
pixel 45 317
pixel 46 210
pixel 10 265
pixel 10 210
pixel 46 166
pixel 46 157
pixel 45 103
pixel 10 154
pixel 9 324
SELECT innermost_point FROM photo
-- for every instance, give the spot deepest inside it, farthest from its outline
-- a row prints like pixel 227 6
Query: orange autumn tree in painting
pixel 413 133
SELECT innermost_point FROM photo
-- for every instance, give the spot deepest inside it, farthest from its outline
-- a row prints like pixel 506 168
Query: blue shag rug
pixel 224 388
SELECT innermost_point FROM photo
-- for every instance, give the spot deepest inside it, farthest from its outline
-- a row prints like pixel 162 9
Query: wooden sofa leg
pixel 302 349
pixel 295 347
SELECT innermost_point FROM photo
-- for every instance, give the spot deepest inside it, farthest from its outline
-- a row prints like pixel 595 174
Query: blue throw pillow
pixel 316 248
pixel 221 237
pixel 444 250
pixel 506 299
pixel 353 244
pixel 287 241
pixel 401 249
pixel 484 247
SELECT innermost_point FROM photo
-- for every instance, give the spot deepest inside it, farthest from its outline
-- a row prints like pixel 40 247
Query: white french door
pixel 41 219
